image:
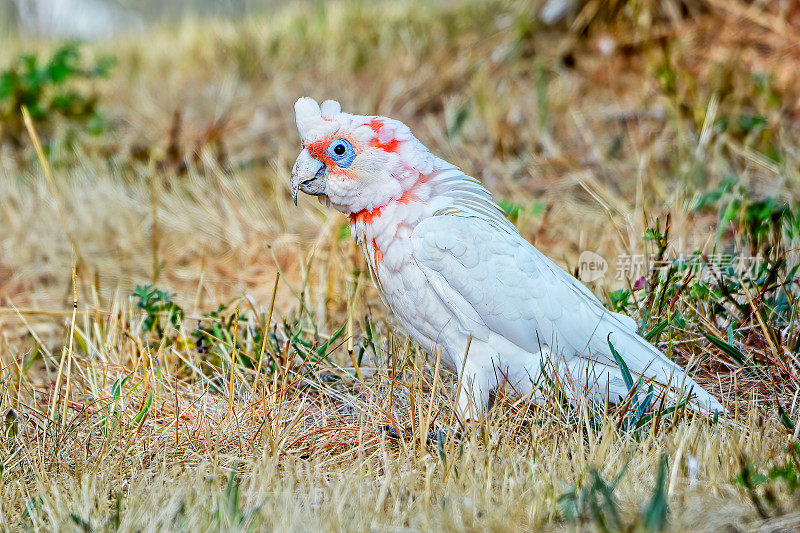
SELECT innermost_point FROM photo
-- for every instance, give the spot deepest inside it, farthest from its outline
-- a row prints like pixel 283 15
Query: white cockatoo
pixel 458 275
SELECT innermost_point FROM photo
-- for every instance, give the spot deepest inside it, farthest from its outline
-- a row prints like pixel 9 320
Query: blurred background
pixel 99 19
pixel 168 128
pixel 650 147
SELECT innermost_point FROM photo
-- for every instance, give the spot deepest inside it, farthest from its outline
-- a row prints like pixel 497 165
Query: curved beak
pixel 308 175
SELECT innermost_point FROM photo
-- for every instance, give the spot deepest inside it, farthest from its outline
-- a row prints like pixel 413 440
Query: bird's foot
pixel 435 436
pixel 441 436
pixel 398 434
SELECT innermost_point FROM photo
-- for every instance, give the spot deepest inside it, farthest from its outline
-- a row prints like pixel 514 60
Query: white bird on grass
pixel 458 275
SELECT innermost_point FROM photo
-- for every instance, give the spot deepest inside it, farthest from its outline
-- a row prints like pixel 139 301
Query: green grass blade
pixel 655 516
pixel 626 374
pixel 141 414
pixel 732 351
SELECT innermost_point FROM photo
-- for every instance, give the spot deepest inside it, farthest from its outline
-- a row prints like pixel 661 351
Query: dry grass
pixel 109 426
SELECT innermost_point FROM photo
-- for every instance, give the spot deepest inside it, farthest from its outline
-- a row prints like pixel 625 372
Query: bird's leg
pixel 473 395
pixel 471 404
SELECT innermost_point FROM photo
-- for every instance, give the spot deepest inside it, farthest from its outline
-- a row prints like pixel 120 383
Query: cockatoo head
pixel 357 163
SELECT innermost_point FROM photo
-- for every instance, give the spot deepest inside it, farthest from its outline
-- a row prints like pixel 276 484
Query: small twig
pixel 37 146
pixel 265 334
pixel 233 359
pixel 154 190
pixel 350 298
pixel 68 355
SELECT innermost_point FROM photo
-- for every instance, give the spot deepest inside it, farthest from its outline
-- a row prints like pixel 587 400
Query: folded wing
pixel 495 281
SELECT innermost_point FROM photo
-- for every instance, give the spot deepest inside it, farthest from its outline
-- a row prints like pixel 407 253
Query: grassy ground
pixel 663 130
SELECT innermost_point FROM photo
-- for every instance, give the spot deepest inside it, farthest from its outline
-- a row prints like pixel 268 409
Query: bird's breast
pixel 400 282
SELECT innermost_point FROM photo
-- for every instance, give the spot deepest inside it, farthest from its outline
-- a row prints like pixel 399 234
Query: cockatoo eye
pixel 342 152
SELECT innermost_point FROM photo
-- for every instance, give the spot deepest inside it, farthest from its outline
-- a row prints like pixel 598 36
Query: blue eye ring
pixel 341 152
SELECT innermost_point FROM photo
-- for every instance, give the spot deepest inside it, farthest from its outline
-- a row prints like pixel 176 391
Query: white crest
pixel 307 115
pixel 315 122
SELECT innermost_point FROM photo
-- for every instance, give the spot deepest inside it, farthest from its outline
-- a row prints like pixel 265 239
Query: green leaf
pixel 751 123
pixel 11 425
pixel 6 85
pixel 729 213
pixel 713 196
pixel 664 412
pixel 344 232
pixel 732 351
pixel 657 329
pixel 626 374
pixel 510 209
pixel 655 516
pixel 116 388
pixel 322 350
pixel 140 416
pixel 607 492
pixel 82 523
pixel 643 406
pixel 620 300
pixel 103 66
pixel 652 234
pixel 784 418
pixel 458 121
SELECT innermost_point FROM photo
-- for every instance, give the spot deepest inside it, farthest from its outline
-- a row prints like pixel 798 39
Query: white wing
pixel 495 281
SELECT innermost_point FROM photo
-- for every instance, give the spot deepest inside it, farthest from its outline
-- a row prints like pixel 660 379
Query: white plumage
pixel 457 273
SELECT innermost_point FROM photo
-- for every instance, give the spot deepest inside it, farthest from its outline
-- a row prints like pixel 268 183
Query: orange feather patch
pixel 388 146
pixel 367 217
pixel 319 150
pixel 377 254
